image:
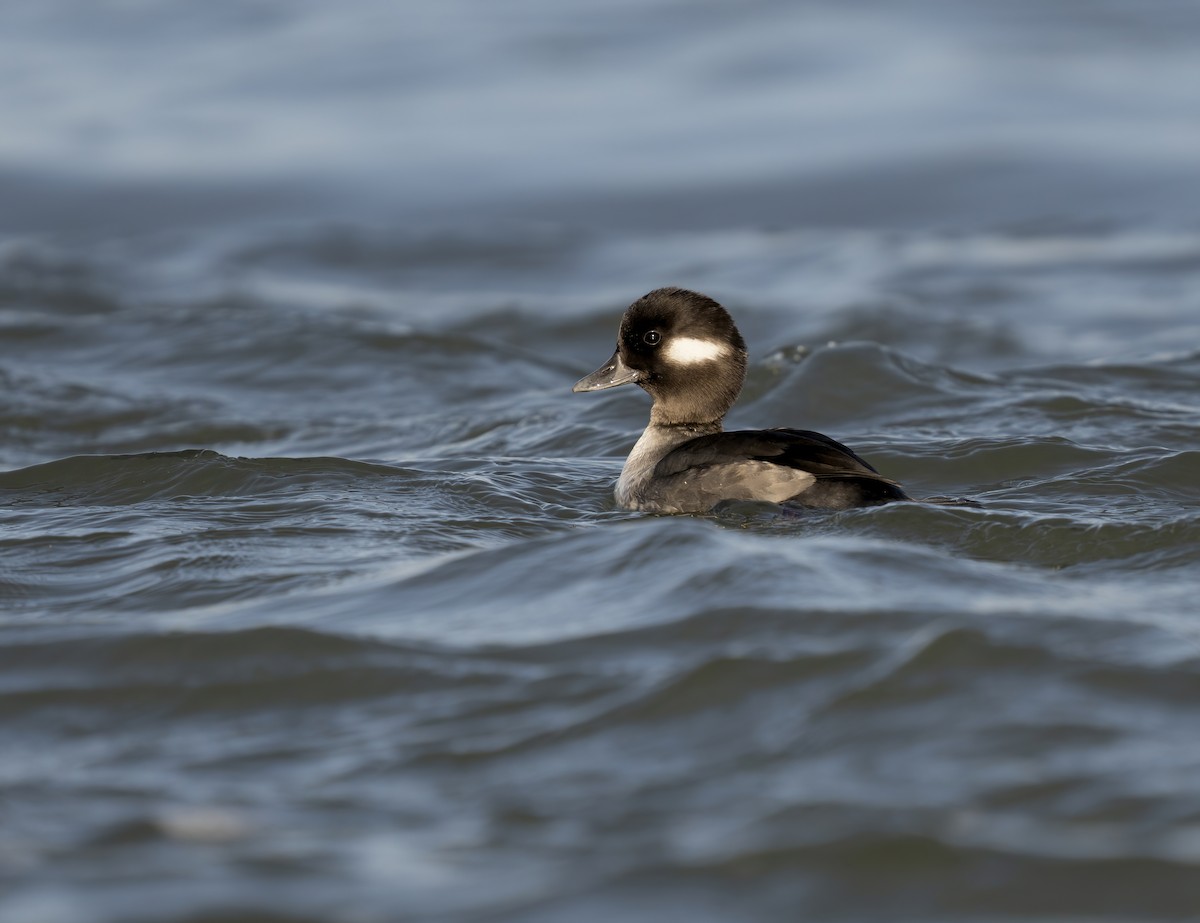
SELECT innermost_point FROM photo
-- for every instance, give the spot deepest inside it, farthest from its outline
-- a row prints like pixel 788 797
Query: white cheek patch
pixel 691 350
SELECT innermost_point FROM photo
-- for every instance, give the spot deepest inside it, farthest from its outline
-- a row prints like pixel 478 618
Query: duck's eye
pixel 651 337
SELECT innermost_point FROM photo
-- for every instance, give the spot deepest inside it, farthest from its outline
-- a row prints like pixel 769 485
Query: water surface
pixel 314 602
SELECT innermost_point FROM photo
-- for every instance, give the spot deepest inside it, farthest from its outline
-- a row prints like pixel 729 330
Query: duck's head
pixel 684 350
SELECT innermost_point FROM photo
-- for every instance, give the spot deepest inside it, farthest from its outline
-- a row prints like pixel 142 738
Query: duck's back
pixel 777 465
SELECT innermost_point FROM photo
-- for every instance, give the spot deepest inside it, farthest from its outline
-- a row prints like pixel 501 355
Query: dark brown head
pixel 684 350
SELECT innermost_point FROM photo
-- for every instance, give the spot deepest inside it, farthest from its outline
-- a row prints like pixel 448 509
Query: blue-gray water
pixel 314 604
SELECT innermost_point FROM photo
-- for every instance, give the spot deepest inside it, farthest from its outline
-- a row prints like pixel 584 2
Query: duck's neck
pixel 655 442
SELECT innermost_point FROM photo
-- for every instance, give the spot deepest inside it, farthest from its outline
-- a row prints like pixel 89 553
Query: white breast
pixel 654 443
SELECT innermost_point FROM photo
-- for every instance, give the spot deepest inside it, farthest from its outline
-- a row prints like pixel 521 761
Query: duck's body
pixel 668 474
pixel 684 350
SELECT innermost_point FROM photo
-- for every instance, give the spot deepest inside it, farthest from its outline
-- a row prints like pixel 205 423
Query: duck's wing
pixel 822 471
pixel 795 448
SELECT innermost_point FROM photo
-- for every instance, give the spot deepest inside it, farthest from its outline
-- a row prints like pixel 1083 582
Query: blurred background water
pixel 314 604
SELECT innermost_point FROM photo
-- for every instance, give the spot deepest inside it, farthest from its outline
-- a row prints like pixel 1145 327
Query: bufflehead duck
pixel 683 349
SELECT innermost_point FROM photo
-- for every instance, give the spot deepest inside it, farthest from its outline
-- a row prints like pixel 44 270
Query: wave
pixel 108 480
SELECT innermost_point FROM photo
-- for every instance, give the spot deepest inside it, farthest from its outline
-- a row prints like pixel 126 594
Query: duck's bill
pixel 614 372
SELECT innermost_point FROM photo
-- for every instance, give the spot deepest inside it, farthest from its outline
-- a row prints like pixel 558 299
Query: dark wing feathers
pixel 816 452
pixel 829 461
pixel 794 448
